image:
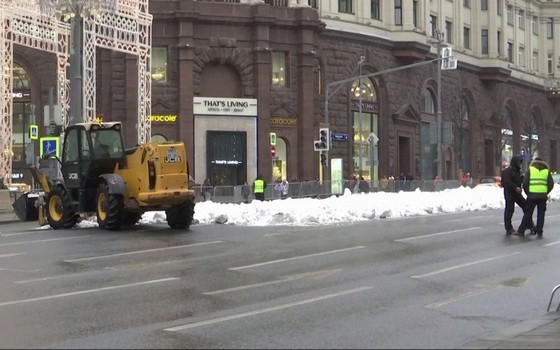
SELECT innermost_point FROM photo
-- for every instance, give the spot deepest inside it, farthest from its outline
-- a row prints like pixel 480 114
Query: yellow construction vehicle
pixel 100 177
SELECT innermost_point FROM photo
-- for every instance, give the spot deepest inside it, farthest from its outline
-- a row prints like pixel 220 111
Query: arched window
pixel 367 90
pixel 20 78
pixel 159 138
pixel 429 104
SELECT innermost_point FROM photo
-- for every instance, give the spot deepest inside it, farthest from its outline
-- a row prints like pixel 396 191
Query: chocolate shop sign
pixel 225 106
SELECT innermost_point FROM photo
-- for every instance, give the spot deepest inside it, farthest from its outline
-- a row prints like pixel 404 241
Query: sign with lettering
pixel 283 121
pixel 225 106
pixel 163 118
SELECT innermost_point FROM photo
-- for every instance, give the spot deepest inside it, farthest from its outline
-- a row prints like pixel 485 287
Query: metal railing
pixel 316 189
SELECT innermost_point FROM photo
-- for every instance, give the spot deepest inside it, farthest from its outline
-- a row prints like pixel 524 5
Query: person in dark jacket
pixel 537 184
pixel 511 181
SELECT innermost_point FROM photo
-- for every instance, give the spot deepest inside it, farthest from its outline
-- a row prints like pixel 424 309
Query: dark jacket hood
pixel 516 162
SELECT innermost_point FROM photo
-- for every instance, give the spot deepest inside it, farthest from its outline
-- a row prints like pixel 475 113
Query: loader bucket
pixel 25 208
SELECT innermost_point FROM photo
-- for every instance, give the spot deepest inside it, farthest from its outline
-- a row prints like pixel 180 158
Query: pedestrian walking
pixel 537 184
pixel 511 181
pixel 278 188
pixel 207 189
pixel 245 191
pixel 284 189
pixel 259 185
pixel 363 185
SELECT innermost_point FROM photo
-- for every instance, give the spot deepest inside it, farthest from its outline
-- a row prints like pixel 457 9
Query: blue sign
pixel 50 145
pixel 339 137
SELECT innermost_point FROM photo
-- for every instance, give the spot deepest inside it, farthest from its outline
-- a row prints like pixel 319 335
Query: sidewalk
pixel 537 333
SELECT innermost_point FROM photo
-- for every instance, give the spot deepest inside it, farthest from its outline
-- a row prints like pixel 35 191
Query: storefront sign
pixel 163 118
pixel 224 106
pixel 283 121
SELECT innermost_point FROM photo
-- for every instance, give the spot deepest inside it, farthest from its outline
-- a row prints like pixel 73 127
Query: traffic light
pixel 272 138
pixel 323 144
pixel 323 159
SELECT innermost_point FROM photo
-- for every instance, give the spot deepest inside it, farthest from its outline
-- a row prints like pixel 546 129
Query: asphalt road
pixel 438 281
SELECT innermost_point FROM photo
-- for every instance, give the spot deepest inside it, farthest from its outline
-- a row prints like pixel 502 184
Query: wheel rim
pixel 101 203
pixel 55 208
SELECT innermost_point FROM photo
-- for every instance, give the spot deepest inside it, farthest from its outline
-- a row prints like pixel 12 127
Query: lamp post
pixel 360 62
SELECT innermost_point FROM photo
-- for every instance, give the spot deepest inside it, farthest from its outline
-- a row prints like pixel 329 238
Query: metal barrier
pixel 316 189
pixel 552 296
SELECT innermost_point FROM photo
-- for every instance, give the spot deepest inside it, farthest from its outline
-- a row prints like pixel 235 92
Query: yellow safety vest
pixel 258 186
pixel 538 180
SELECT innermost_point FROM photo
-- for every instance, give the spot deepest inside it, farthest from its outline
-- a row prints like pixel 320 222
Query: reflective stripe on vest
pixel 538 180
pixel 259 186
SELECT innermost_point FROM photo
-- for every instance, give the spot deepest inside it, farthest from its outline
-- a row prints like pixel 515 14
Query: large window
pixel 484 5
pixel 535 61
pixel 549 28
pixel 313 3
pixel 510 52
pixel 279 68
pixel 499 38
pixel 345 6
pixel 415 13
pixel 550 63
pixel 484 41
pixel 429 102
pixel 159 65
pixel 433 26
pixel 521 19
pixel 398 12
pixel 535 25
pixel 364 123
pixel 449 32
pixel 467 38
pixel 375 11
pixel 521 56
pixel 509 10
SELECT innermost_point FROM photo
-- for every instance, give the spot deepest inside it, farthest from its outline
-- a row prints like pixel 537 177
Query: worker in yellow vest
pixel 537 184
pixel 259 185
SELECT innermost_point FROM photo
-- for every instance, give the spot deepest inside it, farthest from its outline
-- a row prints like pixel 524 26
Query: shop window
pixel 159 65
pixel 429 104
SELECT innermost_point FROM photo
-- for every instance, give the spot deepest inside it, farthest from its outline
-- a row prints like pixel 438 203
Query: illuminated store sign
pixel 225 106
pixel 163 118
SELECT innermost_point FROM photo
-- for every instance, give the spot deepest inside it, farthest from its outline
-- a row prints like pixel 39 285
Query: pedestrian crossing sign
pixel 50 145
pixel 33 131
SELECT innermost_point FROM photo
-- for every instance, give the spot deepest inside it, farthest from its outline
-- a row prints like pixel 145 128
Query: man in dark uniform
pixel 511 182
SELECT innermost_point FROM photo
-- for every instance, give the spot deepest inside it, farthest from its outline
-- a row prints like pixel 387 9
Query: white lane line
pixel 87 291
pixel 140 252
pixel 461 297
pixel 295 258
pixel 469 218
pixel 261 311
pixel 314 275
pixel 462 265
pixel 10 255
pixel 43 240
pixel 436 234
pixel 550 244
pixel 18 234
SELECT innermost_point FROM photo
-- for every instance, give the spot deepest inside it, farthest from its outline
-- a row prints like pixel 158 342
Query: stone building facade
pixel 223 54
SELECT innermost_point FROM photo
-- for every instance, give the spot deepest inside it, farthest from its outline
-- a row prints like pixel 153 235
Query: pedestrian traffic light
pixel 272 137
pixel 323 144
pixel 323 159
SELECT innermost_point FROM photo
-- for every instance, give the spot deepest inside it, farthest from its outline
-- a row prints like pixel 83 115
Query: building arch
pixel 230 83
pixel 240 60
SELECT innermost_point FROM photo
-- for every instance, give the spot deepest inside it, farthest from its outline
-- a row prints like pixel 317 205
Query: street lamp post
pixel 360 156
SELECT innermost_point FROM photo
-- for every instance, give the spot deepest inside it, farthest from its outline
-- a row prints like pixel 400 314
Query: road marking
pixel 461 297
pixel 261 311
pixel 462 265
pixel 140 252
pixel 17 234
pixel 550 244
pixel 437 234
pixel 87 291
pixel 314 275
pixel 43 240
pixel 469 218
pixel 295 258
pixel 10 255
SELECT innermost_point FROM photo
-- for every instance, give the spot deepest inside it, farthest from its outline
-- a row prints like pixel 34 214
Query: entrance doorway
pixel 404 155
pixel 227 154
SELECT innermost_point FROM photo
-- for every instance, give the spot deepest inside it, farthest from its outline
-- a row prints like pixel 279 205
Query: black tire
pixel 180 216
pixel 131 219
pixel 109 208
pixel 59 208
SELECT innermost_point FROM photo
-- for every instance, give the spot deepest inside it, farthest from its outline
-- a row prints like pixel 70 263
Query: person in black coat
pixel 511 182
